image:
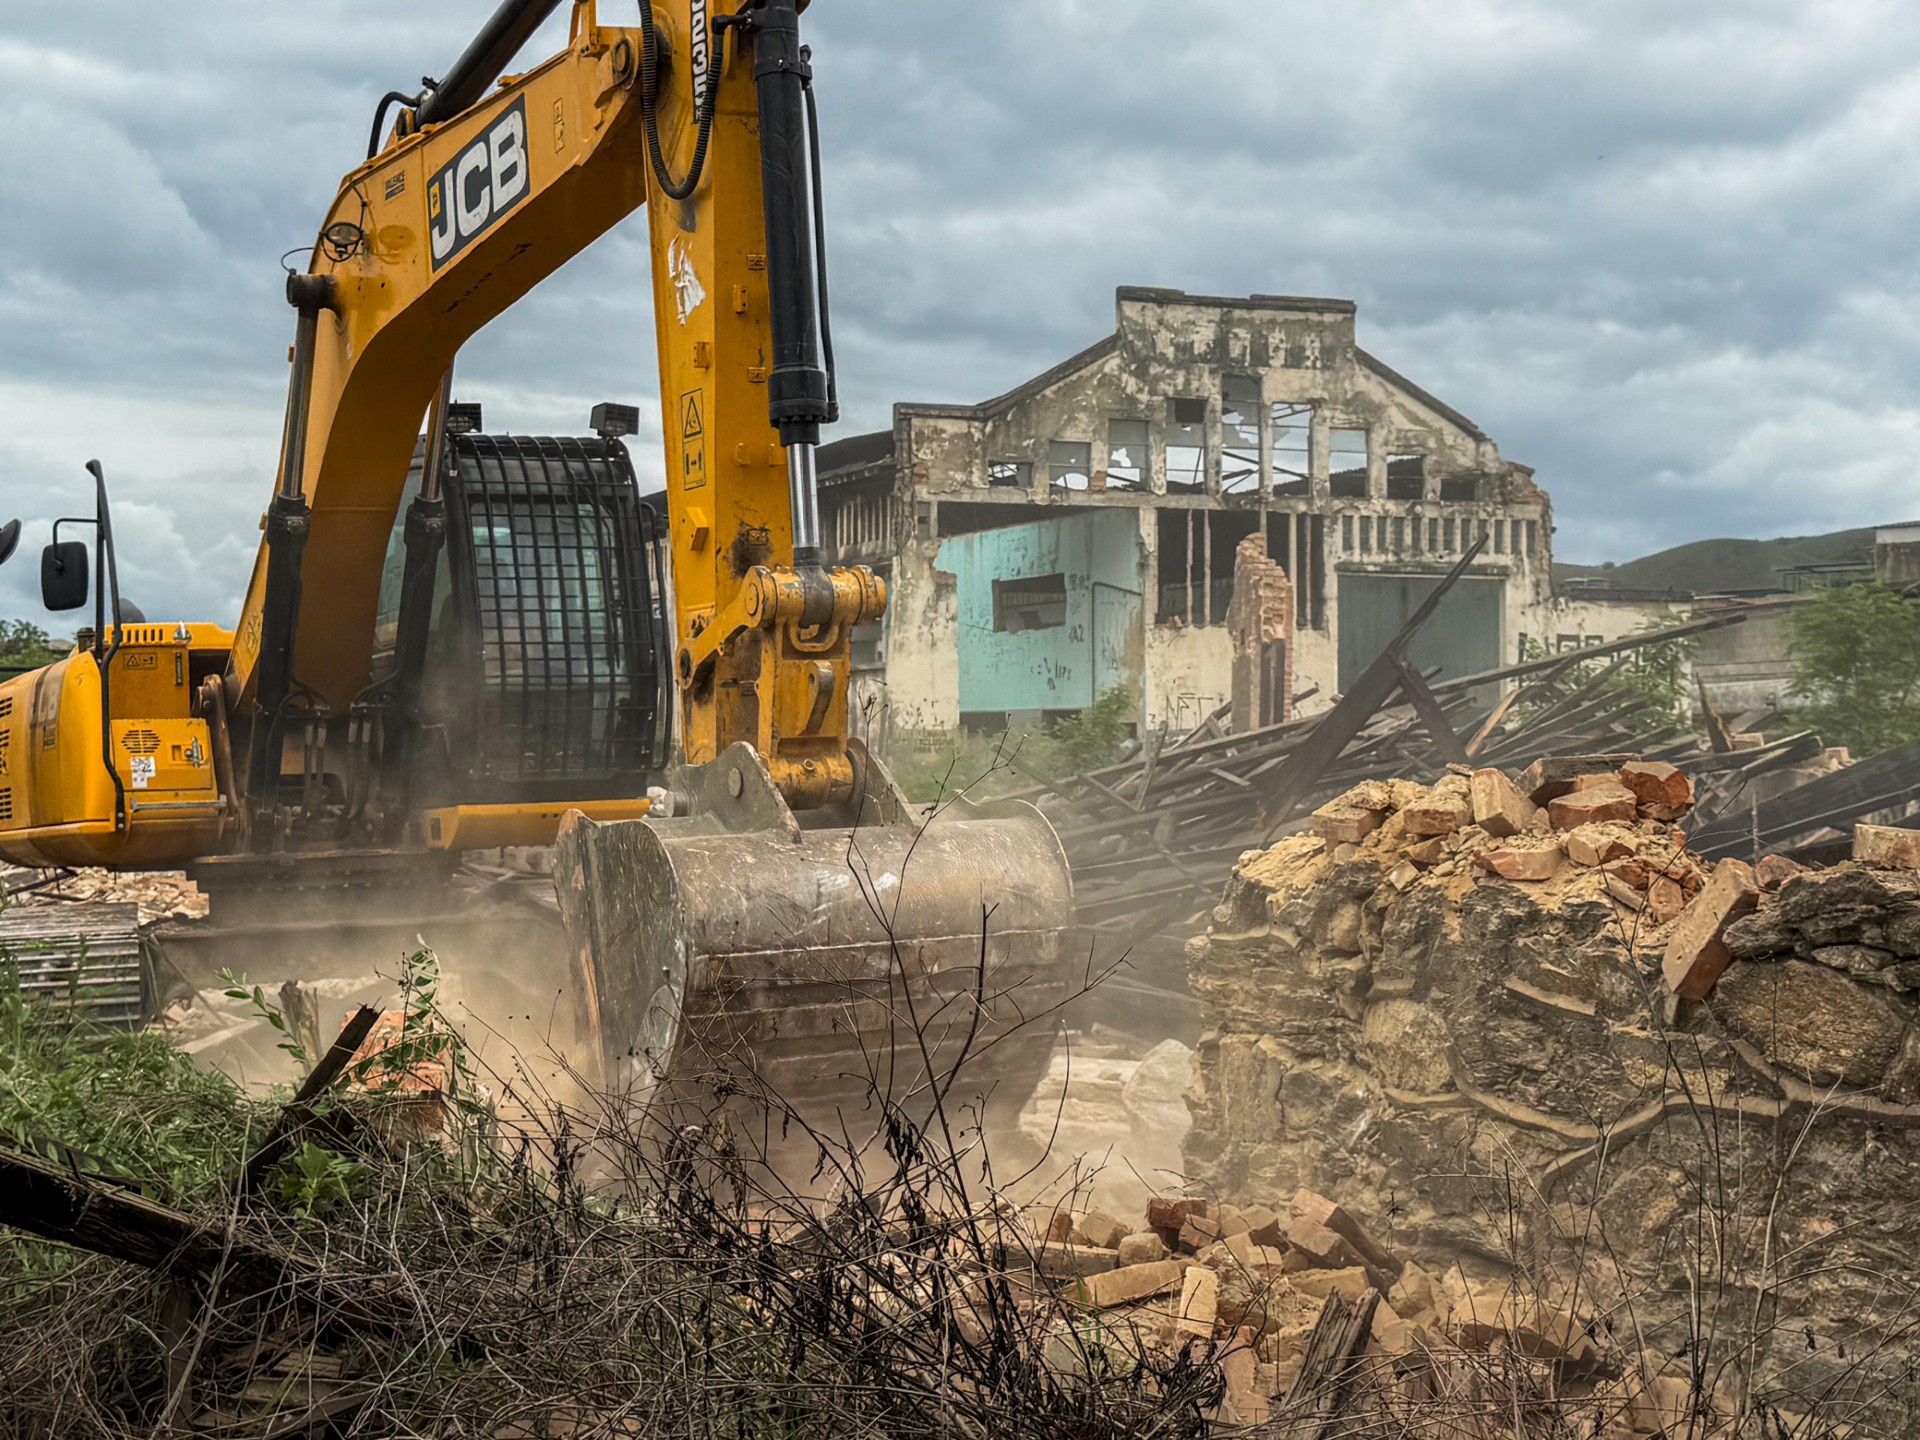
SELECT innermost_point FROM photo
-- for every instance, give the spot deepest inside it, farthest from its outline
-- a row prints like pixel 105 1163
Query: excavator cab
pixel 545 676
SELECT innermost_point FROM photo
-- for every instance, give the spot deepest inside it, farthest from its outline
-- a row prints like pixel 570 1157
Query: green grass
pixel 129 1102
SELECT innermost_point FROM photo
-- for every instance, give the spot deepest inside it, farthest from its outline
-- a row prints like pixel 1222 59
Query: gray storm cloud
pixel 1662 253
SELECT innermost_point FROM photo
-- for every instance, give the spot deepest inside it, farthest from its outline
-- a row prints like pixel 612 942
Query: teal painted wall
pixel 1066 666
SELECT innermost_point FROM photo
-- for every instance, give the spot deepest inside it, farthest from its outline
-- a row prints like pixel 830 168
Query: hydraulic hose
pixel 708 103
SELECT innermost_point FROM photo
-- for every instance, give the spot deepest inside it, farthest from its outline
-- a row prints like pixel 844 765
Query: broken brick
pixel 1339 824
pixel 1264 1225
pixel 1887 847
pixel 1327 1249
pixel 1595 846
pixel 1593 782
pixel 1413 1296
pixel 1199 1302
pixel 1199 1232
pixel 1101 1230
pixel 1143 1248
pixel 1533 863
pixel 1552 776
pixel 1665 899
pixel 1437 815
pixel 1597 803
pixel 1170 1213
pixel 1658 786
pixel 1428 852
pixel 1632 871
pixel 1352 1283
pixel 1133 1282
pixel 1063 1261
pixel 1498 806
pixel 1390 1332
pixel 1306 1205
pixel 1635 900
pixel 1696 956
pixel 1533 1329
pixel 1240 1367
pixel 1369 795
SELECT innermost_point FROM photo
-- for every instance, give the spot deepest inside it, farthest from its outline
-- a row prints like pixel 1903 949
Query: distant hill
pixel 1726 564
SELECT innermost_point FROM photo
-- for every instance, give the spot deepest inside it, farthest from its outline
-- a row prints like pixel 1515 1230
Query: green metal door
pixel 1463 637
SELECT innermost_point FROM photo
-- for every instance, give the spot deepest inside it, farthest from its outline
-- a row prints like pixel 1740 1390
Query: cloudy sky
pixel 1664 253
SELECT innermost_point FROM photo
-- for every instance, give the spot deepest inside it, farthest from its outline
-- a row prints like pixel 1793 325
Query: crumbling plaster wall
pixel 1189 674
pixel 1596 619
pixel 922 689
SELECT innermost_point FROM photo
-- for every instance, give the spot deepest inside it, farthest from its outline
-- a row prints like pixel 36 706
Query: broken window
pixel 1346 534
pixel 1366 534
pixel 1533 537
pixel 1292 448
pixel 1294 542
pixel 1009 472
pixel 1069 464
pixel 1175 553
pixel 1225 529
pixel 1186 447
pixel 1433 534
pixel 1406 477
pixel 1037 602
pixel 958 517
pixel 1499 537
pixel 1451 547
pixel 1240 436
pixel 1196 563
pixel 1127 464
pixel 1347 464
pixel 1399 535
pixel 1418 534
pixel 1459 488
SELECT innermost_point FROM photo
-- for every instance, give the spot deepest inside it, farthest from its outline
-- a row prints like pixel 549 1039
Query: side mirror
pixel 9 540
pixel 63 575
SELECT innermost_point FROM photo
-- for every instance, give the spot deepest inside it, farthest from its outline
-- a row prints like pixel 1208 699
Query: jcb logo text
pixel 481 184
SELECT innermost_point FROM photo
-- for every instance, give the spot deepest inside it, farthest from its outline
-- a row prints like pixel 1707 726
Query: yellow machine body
pixel 57 798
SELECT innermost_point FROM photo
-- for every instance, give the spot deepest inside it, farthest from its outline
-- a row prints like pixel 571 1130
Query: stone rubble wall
pixel 1499 1075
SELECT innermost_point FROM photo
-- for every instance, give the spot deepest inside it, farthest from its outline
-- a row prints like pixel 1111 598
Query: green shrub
pixel 1856 665
pixel 129 1102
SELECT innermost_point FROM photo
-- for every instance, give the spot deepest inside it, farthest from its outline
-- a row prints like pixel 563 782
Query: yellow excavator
pixel 455 643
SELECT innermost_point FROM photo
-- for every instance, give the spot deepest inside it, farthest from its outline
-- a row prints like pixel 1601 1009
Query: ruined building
pixel 1079 533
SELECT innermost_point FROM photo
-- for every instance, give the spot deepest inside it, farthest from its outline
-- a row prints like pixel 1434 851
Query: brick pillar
pixel 1260 620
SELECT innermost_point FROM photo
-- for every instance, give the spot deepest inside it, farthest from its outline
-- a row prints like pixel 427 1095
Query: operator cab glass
pixel 545 674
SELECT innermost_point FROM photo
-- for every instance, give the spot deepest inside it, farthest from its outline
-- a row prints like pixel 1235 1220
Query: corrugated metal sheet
pixel 85 955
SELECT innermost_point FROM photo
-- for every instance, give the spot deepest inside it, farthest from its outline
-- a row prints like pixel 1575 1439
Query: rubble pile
pixel 1245 1287
pixel 161 895
pixel 1516 1014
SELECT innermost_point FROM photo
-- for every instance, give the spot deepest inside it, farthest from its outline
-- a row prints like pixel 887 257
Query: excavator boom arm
pixel 707 117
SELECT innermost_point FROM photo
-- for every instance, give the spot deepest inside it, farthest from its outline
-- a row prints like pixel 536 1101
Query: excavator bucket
pixel 824 960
